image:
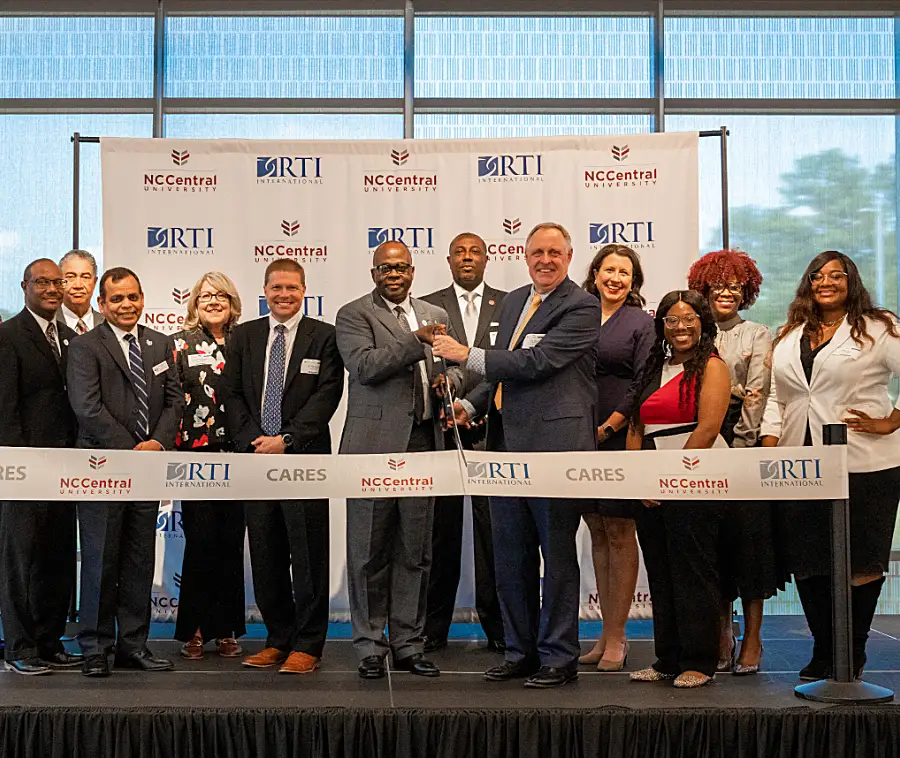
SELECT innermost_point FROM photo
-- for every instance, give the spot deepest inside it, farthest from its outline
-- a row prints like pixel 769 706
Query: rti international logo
pixel 196 475
pixel 168 523
pixel 92 483
pixel 402 178
pixel 509 475
pixel 419 239
pixel 638 235
pixel 290 242
pixel 509 244
pixel 182 178
pixel 510 168
pixel 180 241
pixel 695 484
pixel 395 480
pixel 621 172
pixel 289 169
pixel 313 306
pixel 791 472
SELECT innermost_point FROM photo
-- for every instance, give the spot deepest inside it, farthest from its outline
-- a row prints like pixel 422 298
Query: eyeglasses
pixel 732 288
pixel 45 284
pixel 384 269
pixel 817 277
pixel 691 319
pixel 208 297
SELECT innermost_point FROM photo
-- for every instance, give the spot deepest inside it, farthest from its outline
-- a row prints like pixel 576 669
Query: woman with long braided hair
pixel 686 389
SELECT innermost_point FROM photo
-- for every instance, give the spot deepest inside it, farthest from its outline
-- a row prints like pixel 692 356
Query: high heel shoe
pixel 610 666
pixel 592 657
pixel 727 664
pixel 741 670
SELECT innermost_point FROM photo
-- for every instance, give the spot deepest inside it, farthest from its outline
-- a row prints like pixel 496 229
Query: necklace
pixel 829 324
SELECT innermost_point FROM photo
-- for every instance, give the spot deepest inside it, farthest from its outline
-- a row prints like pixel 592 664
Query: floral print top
pixel 200 360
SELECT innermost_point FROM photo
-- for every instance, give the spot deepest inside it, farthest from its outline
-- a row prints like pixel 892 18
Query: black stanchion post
pixel 843 688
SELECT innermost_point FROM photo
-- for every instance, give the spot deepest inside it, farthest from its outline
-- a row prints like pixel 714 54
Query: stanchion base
pixel 830 691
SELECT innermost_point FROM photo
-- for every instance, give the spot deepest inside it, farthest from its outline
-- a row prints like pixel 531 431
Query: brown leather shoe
pixel 265 658
pixel 192 650
pixel 228 647
pixel 299 663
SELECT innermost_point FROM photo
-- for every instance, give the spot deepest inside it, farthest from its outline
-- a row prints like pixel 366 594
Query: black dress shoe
pixel 417 664
pixel 144 660
pixel 371 667
pixel 496 646
pixel 95 665
pixel 550 676
pixel 432 644
pixel 816 669
pixel 511 670
pixel 27 666
pixel 63 660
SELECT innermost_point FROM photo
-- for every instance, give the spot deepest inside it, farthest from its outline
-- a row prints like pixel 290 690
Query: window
pixel 468 126
pixel 285 126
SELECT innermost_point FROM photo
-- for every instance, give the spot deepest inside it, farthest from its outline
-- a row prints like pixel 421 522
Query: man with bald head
pixel 473 307
pixel 385 340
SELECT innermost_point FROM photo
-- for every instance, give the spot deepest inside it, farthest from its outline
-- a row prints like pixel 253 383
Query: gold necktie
pixel 532 309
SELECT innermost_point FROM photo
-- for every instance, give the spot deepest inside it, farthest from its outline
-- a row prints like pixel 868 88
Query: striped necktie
pixel 136 365
pixel 80 327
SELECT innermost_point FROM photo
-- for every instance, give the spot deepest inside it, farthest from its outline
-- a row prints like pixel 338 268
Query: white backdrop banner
pixel 175 209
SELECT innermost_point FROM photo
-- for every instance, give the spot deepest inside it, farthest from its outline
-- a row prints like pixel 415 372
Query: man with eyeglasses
pixel 37 539
pixel 385 340
pixel 79 270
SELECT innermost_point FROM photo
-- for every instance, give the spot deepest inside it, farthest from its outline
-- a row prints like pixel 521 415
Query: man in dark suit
pixel 79 270
pixel 284 379
pixel 539 391
pixel 37 539
pixel 384 338
pixel 472 307
pixel 124 390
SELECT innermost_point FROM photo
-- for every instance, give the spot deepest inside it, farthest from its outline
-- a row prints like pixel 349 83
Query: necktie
pixel 470 317
pixel 51 338
pixel 80 327
pixel 138 379
pixel 532 309
pixel 418 391
pixel 271 410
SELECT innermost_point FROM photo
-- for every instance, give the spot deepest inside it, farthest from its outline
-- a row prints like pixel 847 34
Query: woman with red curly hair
pixel 730 281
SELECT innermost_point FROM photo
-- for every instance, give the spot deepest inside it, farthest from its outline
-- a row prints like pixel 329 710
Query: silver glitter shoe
pixel 691 681
pixel 650 674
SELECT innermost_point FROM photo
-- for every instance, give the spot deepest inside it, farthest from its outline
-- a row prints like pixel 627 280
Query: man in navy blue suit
pixel 539 395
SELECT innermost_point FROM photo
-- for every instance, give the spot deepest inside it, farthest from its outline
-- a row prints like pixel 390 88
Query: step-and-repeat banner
pixel 175 209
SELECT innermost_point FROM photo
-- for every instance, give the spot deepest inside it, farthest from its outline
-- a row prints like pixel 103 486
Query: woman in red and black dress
pixel 685 395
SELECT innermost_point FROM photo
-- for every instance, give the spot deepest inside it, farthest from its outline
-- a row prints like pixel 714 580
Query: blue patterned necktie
pixel 271 410
pixel 136 365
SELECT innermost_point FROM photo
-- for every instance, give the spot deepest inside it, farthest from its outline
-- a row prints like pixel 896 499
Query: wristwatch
pixel 287 439
pixel 608 431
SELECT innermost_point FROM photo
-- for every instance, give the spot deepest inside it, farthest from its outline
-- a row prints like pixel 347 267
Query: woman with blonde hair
pixel 211 605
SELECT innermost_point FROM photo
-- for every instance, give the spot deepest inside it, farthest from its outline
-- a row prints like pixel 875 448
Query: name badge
pixel 310 366
pixel 199 359
pixel 160 368
pixel 532 340
pixel 850 351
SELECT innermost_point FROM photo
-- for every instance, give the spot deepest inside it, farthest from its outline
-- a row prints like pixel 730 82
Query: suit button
pixel 410 413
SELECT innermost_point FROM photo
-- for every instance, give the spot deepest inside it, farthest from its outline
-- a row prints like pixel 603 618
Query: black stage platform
pixel 217 707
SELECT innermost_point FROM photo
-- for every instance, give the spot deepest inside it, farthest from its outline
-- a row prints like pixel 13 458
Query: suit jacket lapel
pixel 385 316
pixel 840 337
pixel 115 350
pixel 39 338
pixel 302 340
pixel 488 304
pixel 546 309
pixel 148 351
pixel 506 331
pixel 257 340
pixel 450 303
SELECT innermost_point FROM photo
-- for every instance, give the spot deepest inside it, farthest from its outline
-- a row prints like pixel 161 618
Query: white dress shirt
pixel 461 300
pixel 72 318
pixel 43 323
pixel 413 322
pixel 291 332
pixel 123 343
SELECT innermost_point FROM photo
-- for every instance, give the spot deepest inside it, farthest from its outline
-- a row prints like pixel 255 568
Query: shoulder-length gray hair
pixel 223 284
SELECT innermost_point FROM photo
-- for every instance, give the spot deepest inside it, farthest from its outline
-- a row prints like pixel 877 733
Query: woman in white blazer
pixel 833 361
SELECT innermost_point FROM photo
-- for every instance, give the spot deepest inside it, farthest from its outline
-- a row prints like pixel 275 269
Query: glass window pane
pixel 532 57
pixel 474 125
pixel 284 126
pixel 76 57
pixel 291 56
pixel 780 57
pixel 37 204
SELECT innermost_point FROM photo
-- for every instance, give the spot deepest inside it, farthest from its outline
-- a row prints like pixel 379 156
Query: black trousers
pixel 289 555
pixel 37 551
pixel 212 572
pixel 679 542
pixel 446 552
pixel 118 552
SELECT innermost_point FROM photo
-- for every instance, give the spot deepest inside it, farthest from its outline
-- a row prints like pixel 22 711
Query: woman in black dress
pixel 626 336
pixel 211 603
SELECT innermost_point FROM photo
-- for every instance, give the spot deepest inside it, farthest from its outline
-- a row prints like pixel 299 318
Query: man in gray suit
pixel 384 338
pixel 79 270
